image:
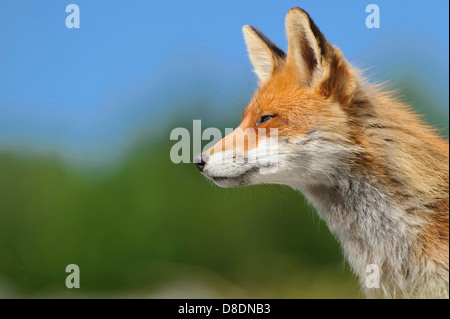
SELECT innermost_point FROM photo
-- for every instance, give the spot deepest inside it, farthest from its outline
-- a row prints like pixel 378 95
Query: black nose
pixel 200 161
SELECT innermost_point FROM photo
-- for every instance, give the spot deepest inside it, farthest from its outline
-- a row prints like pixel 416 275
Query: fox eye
pixel 264 119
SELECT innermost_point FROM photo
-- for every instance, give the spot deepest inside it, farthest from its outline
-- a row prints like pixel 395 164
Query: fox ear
pixel 316 62
pixel 264 54
pixel 308 48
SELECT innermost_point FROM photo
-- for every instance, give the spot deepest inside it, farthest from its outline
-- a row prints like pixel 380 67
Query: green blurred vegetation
pixel 151 228
pixel 152 225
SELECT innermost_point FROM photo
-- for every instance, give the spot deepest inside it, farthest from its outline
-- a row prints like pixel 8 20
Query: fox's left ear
pixel 315 61
pixel 265 56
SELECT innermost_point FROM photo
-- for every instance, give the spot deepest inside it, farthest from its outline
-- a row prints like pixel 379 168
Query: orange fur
pixel 315 88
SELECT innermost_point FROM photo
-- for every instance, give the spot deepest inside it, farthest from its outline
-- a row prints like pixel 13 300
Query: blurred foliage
pixel 151 228
pixel 153 223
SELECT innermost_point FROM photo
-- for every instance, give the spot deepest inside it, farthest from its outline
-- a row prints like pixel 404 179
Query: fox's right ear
pixel 308 49
pixel 264 54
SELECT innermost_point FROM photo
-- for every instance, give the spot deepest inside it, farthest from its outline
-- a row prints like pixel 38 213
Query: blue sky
pixel 79 91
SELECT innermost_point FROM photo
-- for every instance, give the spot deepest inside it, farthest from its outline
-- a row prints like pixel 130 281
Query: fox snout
pixel 375 172
pixel 295 126
pixel 200 161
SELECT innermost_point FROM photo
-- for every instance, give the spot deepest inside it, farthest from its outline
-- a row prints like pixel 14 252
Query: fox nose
pixel 200 161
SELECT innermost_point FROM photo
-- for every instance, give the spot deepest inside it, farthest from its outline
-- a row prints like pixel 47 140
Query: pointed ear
pixel 308 48
pixel 265 56
pixel 315 61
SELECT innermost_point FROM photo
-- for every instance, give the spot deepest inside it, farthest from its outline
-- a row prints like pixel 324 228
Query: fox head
pixel 296 129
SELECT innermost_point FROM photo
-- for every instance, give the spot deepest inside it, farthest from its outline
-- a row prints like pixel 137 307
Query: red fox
pixel 376 173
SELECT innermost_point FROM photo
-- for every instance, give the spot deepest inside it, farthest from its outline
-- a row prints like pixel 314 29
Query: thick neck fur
pixel 389 207
pixel 374 231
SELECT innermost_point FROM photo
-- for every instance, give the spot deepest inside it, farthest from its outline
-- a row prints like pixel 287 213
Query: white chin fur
pixel 311 159
pixel 227 169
